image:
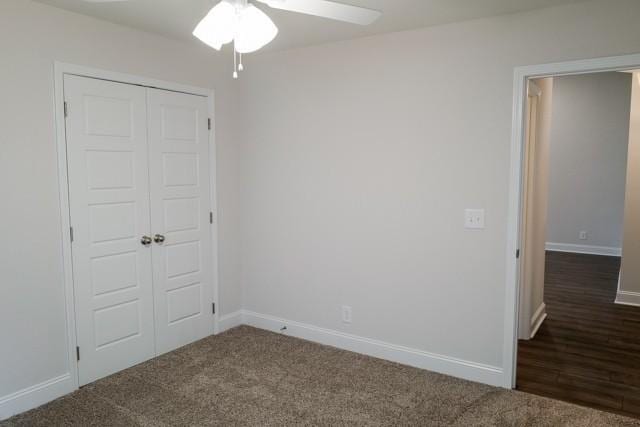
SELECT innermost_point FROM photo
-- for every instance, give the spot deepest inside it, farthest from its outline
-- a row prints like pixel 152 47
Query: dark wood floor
pixel 588 349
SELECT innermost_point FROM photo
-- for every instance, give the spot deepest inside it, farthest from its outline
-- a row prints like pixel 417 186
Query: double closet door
pixel 139 195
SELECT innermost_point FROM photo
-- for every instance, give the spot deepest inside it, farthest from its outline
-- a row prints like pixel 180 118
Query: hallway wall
pixel 588 160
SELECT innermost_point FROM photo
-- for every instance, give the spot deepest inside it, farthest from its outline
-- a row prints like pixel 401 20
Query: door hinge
pixel 210 217
pixel 517 253
pixel 209 123
pixel 78 353
pixel 71 233
pixel 66 109
pixel 213 307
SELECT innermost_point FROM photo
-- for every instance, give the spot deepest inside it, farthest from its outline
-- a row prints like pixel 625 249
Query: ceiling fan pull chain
pixel 235 62
pixel 240 66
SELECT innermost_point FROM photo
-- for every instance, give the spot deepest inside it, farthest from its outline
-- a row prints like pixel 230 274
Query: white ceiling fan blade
pixel 103 1
pixel 327 9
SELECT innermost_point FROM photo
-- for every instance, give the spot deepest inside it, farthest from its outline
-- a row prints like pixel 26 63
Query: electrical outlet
pixel 346 314
pixel 584 235
pixel 474 219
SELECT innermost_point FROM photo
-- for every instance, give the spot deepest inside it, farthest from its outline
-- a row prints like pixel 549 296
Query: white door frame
pixel 60 70
pixel 521 76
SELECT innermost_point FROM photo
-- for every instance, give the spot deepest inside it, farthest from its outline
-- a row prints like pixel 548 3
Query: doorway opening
pixel 576 310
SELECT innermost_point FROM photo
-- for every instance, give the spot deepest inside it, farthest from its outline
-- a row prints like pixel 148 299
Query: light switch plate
pixel 474 219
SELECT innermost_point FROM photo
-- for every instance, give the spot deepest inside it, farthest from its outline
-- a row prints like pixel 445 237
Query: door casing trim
pixel 518 140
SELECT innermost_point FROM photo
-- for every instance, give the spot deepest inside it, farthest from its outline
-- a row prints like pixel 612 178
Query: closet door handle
pixel 158 238
pixel 145 240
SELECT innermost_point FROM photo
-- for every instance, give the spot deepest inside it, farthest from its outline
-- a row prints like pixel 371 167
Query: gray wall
pixel 359 158
pixel 588 160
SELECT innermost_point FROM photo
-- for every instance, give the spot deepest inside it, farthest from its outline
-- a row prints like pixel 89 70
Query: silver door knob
pixel 158 238
pixel 145 240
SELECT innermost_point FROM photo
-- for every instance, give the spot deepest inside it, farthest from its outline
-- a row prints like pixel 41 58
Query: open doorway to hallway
pixel 579 314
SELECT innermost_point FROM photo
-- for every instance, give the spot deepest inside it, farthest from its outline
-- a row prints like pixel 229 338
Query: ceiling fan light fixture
pixel 254 29
pixel 219 26
pixel 250 29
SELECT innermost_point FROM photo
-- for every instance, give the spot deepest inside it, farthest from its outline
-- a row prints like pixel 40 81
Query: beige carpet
pixel 251 377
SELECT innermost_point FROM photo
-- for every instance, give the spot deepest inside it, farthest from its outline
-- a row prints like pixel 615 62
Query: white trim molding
pixel 628 298
pixel 538 319
pixel 229 321
pixel 472 371
pixel 36 395
pixel 583 249
pixel 521 76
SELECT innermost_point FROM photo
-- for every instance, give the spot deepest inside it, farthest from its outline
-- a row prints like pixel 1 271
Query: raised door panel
pixel 106 132
pixel 180 201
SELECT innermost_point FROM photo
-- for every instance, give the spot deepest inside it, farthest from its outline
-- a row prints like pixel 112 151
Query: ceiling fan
pixel 250 29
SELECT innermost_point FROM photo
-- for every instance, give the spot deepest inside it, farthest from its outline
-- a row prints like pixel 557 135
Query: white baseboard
pixel 583 249
pixel 537 319
pixel 628 298
pixel 39 394
pixel 408 356
pixel 229 321
pixel 34 396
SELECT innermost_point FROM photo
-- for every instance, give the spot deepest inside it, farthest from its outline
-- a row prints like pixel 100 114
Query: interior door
pixel 109 204
pixel 528 224
pixel 180 201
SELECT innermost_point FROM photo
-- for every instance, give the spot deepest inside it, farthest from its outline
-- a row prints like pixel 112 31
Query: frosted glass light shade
pixel 254 29
pixel 219 26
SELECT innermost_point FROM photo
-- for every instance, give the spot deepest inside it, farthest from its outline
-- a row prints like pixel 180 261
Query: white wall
pixel 359 157
pixel 32 36
pixel 589 140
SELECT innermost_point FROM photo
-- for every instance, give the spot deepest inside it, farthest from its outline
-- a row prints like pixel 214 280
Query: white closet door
pixel 179 177
pixel 109 202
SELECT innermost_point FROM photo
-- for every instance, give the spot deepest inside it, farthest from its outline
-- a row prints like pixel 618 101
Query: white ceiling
pixel 177 18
